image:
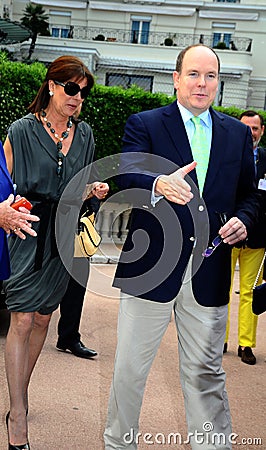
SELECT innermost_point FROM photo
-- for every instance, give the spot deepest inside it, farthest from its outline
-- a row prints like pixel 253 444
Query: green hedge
pixel 106 109
pixel 18 85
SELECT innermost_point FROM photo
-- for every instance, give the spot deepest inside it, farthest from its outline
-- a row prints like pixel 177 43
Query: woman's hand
pixel 18 222
pixel 100 190
pixel 97 189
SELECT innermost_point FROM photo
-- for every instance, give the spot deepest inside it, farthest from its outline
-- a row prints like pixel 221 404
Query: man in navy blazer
pixel 162 268
pixel 251 254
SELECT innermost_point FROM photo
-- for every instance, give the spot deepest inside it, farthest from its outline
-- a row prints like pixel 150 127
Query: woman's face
pixel 61 102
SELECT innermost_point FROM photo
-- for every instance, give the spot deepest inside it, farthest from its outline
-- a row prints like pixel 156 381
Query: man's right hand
pixel 173 187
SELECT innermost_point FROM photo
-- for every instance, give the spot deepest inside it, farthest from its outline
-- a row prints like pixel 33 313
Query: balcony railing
pixel 180 40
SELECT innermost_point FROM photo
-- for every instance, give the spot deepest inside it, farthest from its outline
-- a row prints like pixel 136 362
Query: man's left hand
pixel 233 231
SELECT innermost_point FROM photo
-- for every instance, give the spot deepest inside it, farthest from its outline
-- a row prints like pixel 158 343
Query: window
pixel 55 32
pixel 64 32
pixel 125 81
pixel 222 33
pixel 140 27
pixel 60 23
pixel 218 101
pixel 221 37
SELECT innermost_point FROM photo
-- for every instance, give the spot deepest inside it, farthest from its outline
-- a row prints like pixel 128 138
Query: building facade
pixel 127 42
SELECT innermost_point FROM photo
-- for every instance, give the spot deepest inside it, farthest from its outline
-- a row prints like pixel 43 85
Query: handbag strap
pixel 260 269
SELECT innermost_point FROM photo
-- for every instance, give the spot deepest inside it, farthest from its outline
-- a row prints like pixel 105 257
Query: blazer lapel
pixel 177 134
pixel 174 125
pixel 219 141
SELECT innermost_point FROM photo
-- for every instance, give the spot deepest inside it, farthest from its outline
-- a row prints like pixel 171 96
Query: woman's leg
pixel 24 342
pixel 36 342
pixel 16 360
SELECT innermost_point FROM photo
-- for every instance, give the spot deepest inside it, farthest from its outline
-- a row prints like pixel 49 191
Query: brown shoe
pixel 247 355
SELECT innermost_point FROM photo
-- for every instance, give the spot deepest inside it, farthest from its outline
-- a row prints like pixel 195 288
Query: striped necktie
pixel 200 151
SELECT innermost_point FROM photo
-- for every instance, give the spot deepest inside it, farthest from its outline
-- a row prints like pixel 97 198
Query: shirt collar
pixel 187 115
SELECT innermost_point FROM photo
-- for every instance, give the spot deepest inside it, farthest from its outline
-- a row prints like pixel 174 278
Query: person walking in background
pixel 185 138
pixel 71 305
pixel 250 254
pixel 44 152
pixel 69 338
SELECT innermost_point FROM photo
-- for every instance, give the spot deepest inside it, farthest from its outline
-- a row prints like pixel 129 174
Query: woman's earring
pixel 51 93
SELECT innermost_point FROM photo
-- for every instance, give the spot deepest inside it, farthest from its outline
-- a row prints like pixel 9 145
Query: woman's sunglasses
pixel 72 89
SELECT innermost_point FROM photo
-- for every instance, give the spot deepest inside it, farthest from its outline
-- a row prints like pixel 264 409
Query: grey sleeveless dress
pixel 38 278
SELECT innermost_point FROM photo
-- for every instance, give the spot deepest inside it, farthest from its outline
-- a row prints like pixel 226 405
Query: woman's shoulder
pixel 84 127
pixel 23 122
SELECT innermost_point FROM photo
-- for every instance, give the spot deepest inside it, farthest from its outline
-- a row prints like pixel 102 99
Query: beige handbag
pixel 87 239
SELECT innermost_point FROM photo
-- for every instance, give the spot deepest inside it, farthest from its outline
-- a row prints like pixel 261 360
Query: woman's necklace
pixel 59 144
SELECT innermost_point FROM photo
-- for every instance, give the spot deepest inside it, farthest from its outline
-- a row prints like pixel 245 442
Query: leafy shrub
pixel 19 84
pixel 221 45
pixel 106 109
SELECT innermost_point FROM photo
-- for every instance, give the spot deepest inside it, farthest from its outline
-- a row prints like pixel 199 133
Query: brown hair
pixel 252 113
pixel 180 58
pixel 61 69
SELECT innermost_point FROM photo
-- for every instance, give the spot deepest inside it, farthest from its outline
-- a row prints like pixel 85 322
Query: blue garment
pixel 161 239
pixel 6 188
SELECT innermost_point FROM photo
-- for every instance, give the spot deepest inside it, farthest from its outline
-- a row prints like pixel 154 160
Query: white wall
pixel 247 88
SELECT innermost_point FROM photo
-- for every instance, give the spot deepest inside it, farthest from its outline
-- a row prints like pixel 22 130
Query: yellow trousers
pixel 249 261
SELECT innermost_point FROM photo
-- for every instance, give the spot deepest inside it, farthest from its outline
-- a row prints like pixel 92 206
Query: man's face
pixel 197 83
pixel 257 129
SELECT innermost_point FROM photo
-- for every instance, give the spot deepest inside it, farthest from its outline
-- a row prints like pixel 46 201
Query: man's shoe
pixel 247 355
pixel 78 349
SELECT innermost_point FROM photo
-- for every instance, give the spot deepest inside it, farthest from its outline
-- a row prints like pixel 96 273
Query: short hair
pixel 61 69
pixel 252 113
pixel 180 58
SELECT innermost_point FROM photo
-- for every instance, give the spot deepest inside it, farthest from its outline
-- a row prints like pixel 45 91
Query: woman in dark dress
pixel 44 151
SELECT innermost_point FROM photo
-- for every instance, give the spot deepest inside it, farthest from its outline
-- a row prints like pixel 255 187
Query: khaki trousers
pixel 201 332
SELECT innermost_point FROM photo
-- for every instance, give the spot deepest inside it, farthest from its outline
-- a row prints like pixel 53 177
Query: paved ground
pixel 68 395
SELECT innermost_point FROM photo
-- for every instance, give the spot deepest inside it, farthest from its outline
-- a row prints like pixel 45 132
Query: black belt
pixel 45 209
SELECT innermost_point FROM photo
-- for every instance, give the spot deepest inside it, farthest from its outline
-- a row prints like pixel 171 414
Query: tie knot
pixel 195 120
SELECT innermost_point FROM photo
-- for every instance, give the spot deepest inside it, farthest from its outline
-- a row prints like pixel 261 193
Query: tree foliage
pixel 35 20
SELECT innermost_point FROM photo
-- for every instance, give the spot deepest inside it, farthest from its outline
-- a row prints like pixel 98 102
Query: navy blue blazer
pixel 6 188
pixel 257 236
pixel 161 238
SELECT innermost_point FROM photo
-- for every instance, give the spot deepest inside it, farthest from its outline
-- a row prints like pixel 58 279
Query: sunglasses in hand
pixel 71 88
pixel 218 240
pixel 215 243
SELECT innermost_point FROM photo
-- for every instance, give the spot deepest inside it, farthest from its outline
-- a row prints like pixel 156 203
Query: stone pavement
pixel 68 395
